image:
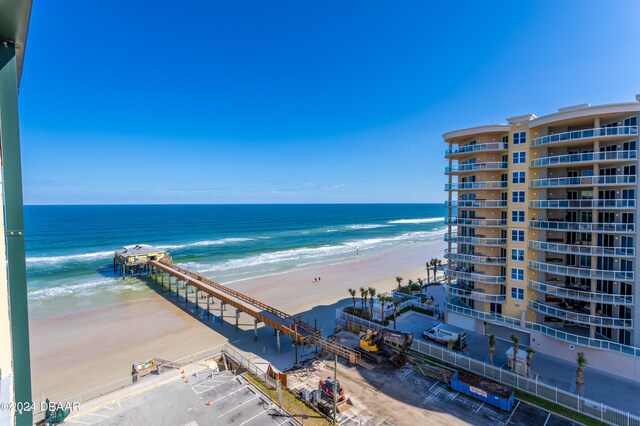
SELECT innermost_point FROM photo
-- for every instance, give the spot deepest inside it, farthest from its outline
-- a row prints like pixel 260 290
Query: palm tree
pixel 383 300
pixel 516 344
pixel 363 296
pixel 530 353
pixel 372 294
pixel 399 279
pixel 421 282
pixel 428 272
pixel 435 262
pixel 582 362
pixel 492 347
pixel 352 293
pixel 396 303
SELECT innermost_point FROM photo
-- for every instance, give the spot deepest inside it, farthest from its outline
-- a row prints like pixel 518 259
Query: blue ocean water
pixel 70 248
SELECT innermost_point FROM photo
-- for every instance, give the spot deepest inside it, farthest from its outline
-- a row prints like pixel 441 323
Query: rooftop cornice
pixel 489 128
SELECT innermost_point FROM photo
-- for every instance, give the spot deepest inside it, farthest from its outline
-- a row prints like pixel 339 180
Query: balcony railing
pixel 486 316
pixel 476 258
pixel 552 225
pixel 586 157
pixel 474 294
pixel 482 223
pixel 583 204
pixel 454 238
pixel 584 181
pixel 475 276
pixel 585 296
pixel 600 321
pixel 576 135
pixel 466 149
pixel 573 271
pixel 549 331
pixel 474 167
pixel 489 184
pixel 584 250
pixel 478 204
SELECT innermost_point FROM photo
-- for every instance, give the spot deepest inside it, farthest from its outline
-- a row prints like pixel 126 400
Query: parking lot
pixel 209 398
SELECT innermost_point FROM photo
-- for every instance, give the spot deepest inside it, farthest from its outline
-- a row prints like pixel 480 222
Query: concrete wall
pixel 610 362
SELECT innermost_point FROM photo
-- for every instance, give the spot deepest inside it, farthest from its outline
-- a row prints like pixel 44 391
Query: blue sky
pixel 295 102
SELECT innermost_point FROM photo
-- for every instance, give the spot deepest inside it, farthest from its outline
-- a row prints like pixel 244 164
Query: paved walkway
pixel 599 386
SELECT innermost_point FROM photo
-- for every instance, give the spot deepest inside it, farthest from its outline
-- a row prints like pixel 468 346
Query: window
pixel 633 121
pixel 517 196
pixel 517 293
pixel 517 235
pixel 519 157
pixel 517 216
pixel 517 274
pixel 518 177
pixel 505 139
pixel 519 138
pixel 517 254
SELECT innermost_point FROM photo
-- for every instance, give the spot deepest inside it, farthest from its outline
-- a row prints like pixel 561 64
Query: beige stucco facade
pixel 542 230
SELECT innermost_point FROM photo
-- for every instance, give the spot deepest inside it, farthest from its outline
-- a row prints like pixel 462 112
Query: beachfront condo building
pixel 542 232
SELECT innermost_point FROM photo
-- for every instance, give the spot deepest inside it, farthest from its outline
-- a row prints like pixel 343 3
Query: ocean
pixel 70 248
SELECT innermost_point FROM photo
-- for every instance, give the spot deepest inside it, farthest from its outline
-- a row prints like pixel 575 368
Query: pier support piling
pixel 208 305
pixel 237 318
pixel 278 339
pixel 196 300
pixel 221 312
pixel 255 329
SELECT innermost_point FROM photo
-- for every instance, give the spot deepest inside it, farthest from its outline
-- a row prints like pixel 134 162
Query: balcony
pixel 562 335
pixel 584 181
pixel 573 271
pixel 475 258
pixel 583 204
pixel 480 241
pixel 461 186
pixel 476 222
pixel 477 204
pixel 580 294
pixel 580 318
pixel 584 158
pixel 462 309
pixel 474 294
pixel 475 167
pixel 477 277
pixel 579 249
pixel 482 147
pixel 556 225
pixel 581 135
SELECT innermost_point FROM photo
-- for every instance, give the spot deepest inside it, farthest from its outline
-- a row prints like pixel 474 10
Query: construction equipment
pixel 326 390
pixel 392 344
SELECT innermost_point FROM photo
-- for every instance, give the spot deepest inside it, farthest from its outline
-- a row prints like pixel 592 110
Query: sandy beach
pixel 82 350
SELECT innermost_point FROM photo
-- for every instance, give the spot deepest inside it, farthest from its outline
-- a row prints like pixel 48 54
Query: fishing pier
pixel 143 259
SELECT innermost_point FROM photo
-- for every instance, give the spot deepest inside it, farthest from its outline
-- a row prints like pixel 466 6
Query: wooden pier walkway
pixel 298 330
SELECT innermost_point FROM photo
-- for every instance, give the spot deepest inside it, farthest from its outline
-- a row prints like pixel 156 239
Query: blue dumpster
pixel 483 389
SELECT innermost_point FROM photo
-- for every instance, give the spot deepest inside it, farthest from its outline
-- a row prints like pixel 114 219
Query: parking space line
pixel 481 405
pixel 545 422
pixel 514 410
pixel 259 414
pixel 106 406
pixel 433 386
pixel 208 388
pixel 79 422
pixel 454 396
pixel 229 394
pixel 238 406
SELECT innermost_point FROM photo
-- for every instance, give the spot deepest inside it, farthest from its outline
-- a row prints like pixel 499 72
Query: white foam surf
pixel 415 221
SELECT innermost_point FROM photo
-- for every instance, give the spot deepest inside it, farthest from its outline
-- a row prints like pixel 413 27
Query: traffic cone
pixel 186 380
pixel 209 403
